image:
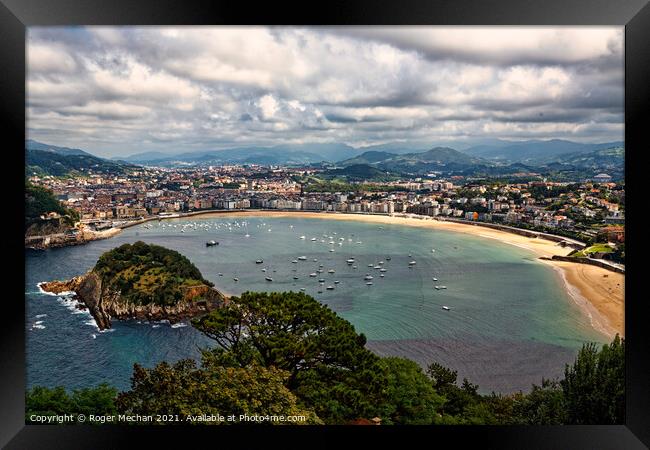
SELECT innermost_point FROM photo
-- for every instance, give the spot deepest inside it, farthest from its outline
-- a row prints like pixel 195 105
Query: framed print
pixel 412 217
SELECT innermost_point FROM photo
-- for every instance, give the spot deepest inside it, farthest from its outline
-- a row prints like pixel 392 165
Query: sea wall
pixel 593 262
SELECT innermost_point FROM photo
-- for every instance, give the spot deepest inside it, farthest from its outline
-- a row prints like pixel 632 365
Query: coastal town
pixel 591 211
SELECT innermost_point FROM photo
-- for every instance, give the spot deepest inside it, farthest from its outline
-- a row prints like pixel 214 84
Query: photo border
pixel 16 15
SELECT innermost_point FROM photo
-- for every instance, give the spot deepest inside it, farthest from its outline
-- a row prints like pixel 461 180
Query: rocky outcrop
pixel 105 303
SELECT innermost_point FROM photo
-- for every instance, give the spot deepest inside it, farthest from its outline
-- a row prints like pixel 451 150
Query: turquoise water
pixel 510 321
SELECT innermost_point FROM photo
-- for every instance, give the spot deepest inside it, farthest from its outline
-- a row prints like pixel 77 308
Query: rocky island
pixel 141 281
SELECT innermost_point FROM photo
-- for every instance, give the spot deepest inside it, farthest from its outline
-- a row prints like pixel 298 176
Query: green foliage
pixel 147 273
pixel 410 396
pixel 39 201
pixel 594 386
pixel 44 401
pixel 184 389
pixel 39 162
pixel 329 368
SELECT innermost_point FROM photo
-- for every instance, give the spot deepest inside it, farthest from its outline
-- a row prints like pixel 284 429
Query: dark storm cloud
pixel 121 90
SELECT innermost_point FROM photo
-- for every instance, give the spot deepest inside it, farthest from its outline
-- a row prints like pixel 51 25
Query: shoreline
pixel 597 292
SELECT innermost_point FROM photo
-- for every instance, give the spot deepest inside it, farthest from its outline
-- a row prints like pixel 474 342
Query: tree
pixel 410 397
pixel 329 367
pixel 594 386
pixel 45 401
pixel 183 389
pixel 544 405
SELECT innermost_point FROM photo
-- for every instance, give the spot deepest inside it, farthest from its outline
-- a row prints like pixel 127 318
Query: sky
pixel 117 91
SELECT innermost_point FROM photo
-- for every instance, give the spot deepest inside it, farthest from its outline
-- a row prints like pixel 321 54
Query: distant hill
pixel 359 172
pixel 535 151
pixel 288 154
pixel 44 159
pixel 442 159
pixel 35 145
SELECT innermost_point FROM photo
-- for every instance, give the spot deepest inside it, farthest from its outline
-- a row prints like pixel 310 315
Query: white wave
pixel 38 322
pixel 179 325
pixel 38 316
pixel 38 326
pixel 155 326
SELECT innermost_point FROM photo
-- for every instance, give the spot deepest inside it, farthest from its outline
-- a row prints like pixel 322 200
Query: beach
pixel 598 292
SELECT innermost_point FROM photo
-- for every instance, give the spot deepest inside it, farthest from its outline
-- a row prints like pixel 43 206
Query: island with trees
pixel 141 281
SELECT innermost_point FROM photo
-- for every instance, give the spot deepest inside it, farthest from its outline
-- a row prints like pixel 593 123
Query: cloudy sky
pixel 116 91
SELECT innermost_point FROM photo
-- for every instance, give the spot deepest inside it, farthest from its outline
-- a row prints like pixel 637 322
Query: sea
pixel 507 320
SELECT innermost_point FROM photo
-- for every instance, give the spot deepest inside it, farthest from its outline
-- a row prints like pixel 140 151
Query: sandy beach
pixel 598 292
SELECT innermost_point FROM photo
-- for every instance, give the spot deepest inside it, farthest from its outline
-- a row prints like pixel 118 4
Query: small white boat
pixel 321 280
pixel 382 275
pixel 446 308
pixel 236 279
pixel 313 239
pixel 259 261
pixel 369 283
pixel 377 267
pixel 263 270
pixel 350 261
pixel 330 271
pixel 443 287
pixel 437 287
pixel 315 260
pixel 368 277
pixel 331 250
pixel 302 289
pixel 220 274
pixel 433 250
pixel 295 261
pixel 354 267
pixel 336 281
pixel 303 237
pixel 435 279
pixel 313 275
pixel 412 263
pixel 268 279
pixel 382 270
pixel 302 258
pixel 295 278
pixel 330 288
pixel 370 265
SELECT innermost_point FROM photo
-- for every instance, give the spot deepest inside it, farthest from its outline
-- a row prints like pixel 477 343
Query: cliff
pixel 106 303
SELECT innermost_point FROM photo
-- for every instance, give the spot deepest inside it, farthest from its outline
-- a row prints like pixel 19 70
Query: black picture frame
pixel 16 15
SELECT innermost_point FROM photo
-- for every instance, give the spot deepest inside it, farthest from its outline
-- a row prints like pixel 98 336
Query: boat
pixel 350 261
pixel 268 279
pixel 369 283
pixel 443 287
pixel 377 267
pixel 313 239
pixel 302 237
pixel 368 277
pixel 433 250
pixel 435 279
pixel 211 243
pixel 315 260
pixel 320 271
pixel 336 281
pixel 370 265
pixel 437 287
pixel 236 279
pixel 263 270
pixel 331 250
pixel 388 258
pixel 446 308
pixel 381 263
pixel 412 263
pixel 354 267
pixel 302 289
pixel 295 261
pixel 382 270
pixel 302 258
pixel 320 265
pixel 247 235
pixel 312 275
pixel 259 261
pixel 321 280
pixel 295 278
pixel 330 271
pixel 330 288
pixel 220 274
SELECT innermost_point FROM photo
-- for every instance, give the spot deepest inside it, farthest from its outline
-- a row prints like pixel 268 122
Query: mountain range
pixel 491 158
